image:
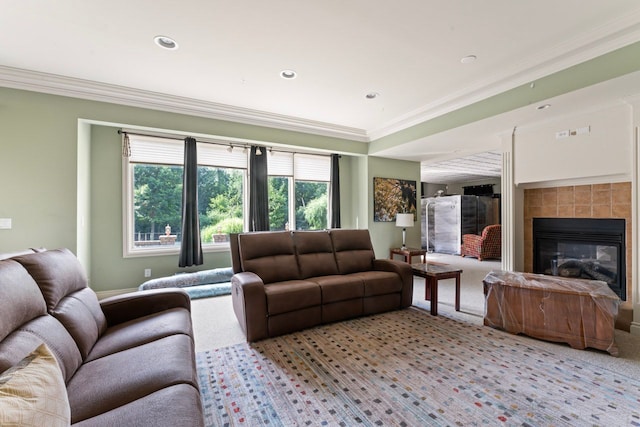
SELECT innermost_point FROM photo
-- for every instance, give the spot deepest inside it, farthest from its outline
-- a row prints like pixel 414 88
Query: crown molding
pixel 601 40
pixel 35 81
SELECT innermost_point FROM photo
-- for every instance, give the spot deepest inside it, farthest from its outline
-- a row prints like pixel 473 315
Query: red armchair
pixel 487 245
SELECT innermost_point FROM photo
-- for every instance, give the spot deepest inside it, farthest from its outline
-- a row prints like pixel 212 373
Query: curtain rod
pixel 175 138
pixel 229 144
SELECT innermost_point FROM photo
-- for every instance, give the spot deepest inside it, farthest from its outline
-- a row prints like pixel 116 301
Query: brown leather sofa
pixel 287 281
pixel 128 360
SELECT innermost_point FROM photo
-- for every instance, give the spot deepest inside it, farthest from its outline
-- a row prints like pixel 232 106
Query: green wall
pixel 62 179
pixel 385 235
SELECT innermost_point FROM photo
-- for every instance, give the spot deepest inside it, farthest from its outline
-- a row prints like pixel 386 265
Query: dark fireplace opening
pixel 586 248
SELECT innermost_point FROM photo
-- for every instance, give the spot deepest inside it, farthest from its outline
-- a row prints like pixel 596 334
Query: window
pixel 298 191
pixel 153 179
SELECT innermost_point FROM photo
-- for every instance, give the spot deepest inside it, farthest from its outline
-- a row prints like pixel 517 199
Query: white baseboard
pixel 107 294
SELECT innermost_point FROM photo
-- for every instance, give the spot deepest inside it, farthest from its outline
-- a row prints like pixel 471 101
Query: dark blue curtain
pixel 258 190
pixel 190 247
pixel 334 191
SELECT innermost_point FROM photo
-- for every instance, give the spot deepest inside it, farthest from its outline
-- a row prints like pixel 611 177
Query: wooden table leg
pixel 431 283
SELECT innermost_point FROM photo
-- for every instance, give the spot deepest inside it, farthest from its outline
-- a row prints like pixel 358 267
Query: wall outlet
pixel 562 134
pixel 147 272
pixel 5 223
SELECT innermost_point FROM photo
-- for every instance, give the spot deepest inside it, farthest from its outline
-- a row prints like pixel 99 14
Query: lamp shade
pixel 404 220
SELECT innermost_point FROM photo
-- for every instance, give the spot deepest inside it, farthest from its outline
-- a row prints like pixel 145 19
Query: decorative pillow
pixel 33 393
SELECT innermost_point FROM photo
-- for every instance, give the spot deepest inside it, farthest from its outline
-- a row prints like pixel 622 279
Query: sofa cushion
pixel 20 297
pixel 283 297
pixel 57 272
pixel 353 250
pixel 81 315
pixel 33 392
pixel 142 330
pixel 63 283
pixel 339 287
pixel 270 255
pixel 315 253
pixel 379 282
pixel 26 324
pixel 176 405
pixel 120 378
pixel 31 334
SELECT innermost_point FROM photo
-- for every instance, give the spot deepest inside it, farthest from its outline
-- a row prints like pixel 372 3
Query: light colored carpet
pixel 408 368
pixel 215 324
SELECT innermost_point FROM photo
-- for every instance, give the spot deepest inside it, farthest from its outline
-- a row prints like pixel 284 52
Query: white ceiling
pixel 231 53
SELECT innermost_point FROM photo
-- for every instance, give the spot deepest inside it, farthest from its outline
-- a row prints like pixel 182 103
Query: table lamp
pixel 404 220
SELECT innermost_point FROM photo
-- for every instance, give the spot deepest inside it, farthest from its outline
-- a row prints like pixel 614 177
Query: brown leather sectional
pixel 128 360
pixel 287 281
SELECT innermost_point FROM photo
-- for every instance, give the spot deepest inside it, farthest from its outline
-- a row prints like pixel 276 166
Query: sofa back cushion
pixel 20 298
pixel 81 315
pixel 63 284
pixel 315 253
pixel 353 250
pixel 25 324
pixel 271 255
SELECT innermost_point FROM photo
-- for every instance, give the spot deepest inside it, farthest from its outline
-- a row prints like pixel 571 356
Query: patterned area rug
pixel 407 368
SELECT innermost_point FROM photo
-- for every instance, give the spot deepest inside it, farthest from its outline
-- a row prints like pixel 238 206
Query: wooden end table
pixel 432 273
pixel 408 254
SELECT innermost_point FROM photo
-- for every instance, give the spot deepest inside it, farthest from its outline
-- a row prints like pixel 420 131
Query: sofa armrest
pixel 129 306
pixel 403 270
pixel 250 305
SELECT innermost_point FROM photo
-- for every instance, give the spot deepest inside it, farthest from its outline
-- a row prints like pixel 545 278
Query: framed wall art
pixel 392 196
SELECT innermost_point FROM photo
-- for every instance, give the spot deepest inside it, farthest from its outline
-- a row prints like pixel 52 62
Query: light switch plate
pixel 583 130
pixel 5 223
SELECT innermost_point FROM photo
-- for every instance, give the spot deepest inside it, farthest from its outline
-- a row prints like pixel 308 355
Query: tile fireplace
pixel 595 201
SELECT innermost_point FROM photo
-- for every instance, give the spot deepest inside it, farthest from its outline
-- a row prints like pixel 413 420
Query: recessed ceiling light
pixel 288 74
pixel 468 59
pixel 543 106
pixel 165 42
pixel 372 95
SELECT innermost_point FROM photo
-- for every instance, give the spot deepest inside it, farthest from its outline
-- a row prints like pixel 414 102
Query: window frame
pixel 129 250
pixel 297 173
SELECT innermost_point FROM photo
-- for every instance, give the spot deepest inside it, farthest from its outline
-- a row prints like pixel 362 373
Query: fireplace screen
pixel 582 248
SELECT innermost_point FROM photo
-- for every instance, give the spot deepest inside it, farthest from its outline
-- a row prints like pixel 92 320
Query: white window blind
pixel 146 149
pixel 308 167
pixel 303 167
pixel 217 155
pixel 156 150
pixel 280 164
